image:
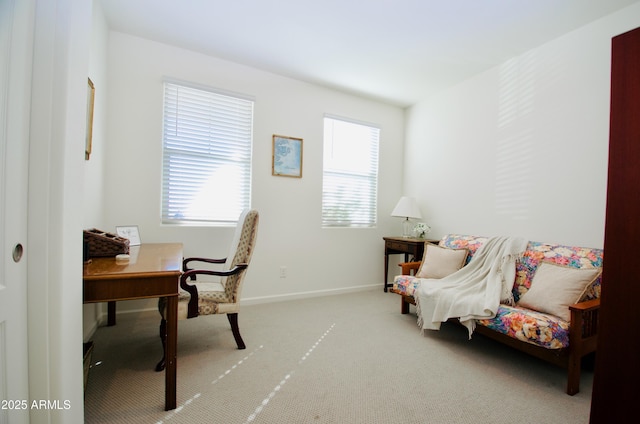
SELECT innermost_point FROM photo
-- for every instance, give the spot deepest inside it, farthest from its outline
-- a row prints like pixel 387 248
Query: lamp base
pixel 406 228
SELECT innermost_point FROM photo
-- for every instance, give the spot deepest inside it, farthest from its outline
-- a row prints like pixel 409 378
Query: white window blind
pixel 350 174
pixel 207 138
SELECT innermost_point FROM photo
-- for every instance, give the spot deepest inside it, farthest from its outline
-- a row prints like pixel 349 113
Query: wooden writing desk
pixel 152 271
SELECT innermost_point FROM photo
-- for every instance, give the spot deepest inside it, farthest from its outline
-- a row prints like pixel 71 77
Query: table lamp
pixel 407 208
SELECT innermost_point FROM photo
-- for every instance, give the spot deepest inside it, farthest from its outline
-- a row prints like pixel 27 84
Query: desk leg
pixel 171 353
pixel 111 313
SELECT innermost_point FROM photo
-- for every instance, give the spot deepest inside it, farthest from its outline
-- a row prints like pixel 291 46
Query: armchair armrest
pixel 205 260
pixel 192 308
pixel 407 267
pixel 193 272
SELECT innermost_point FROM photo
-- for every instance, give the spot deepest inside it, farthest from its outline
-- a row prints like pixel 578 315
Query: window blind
pixel 350 174
pixel 207 143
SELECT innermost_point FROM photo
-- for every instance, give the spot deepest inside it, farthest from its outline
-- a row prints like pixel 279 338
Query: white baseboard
pixel 259 300
pixel 305 295
pixel 91 331
pixel 104 315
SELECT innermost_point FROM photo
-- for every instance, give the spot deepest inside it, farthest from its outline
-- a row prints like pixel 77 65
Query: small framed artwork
pixel 129 232
pixel 286 157
pixel 91 93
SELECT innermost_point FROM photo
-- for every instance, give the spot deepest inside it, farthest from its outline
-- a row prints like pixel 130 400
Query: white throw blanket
pixel 473 292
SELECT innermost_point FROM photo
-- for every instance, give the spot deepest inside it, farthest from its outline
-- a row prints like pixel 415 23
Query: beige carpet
pixel 337 359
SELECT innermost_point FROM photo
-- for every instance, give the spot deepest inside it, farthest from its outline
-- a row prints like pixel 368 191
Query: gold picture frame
pixel 91 93
pixel 286 159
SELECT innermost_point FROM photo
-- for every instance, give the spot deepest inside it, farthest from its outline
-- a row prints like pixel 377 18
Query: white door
pixel 16 48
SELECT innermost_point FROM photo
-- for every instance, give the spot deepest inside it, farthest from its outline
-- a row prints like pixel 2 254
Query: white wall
pixel 93 208
pixel 290 235
pixel 522 148
pixel 93 198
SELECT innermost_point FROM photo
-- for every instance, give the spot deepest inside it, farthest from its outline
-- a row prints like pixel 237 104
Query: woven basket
pixel 105 244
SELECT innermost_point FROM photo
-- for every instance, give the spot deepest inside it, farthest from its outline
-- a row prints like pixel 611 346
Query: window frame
pixel 331 198
pixel 199 138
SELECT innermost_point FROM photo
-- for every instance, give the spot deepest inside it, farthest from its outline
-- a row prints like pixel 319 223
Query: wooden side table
pixel 402 245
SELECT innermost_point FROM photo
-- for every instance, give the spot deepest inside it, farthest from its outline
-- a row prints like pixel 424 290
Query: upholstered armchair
pixel 204 291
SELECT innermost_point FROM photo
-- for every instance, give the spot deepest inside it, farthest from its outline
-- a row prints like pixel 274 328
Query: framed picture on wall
pixel 286 159
pixel 91 93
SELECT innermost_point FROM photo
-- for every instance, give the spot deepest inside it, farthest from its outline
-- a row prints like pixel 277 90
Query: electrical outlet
pixel 283 272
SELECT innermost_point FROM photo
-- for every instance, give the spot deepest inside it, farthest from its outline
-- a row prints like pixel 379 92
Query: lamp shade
pixel 407 207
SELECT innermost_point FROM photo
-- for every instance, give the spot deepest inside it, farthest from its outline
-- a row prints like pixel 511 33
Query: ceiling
pixel 397 51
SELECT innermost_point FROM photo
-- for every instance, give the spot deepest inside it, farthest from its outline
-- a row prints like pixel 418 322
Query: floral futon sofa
pixel 556 321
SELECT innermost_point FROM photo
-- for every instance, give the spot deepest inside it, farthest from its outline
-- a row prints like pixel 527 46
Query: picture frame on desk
pixel 130 232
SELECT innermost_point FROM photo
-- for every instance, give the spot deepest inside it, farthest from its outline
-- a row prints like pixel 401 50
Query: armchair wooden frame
pixel 192 309
pixel 216 297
